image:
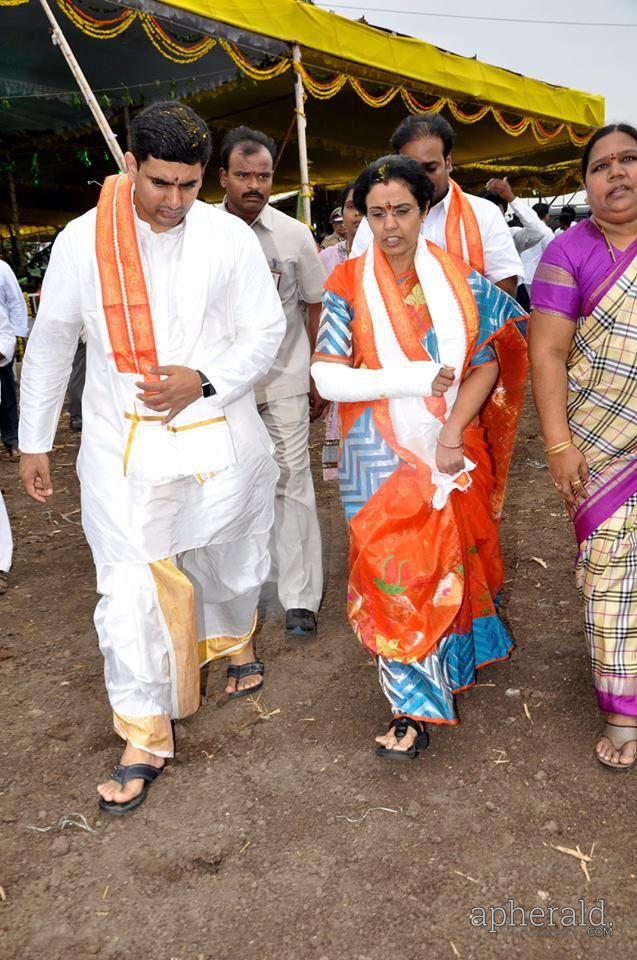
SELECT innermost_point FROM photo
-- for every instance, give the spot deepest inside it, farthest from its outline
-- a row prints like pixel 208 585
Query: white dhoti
pixel 178 521
pixel 296 537
pixel 157 623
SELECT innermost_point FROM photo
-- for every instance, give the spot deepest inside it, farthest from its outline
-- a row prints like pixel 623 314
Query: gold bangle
pixel 448 446
pixel 558 447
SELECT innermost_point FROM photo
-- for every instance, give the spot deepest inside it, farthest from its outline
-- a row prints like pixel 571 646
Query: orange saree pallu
pixel 425 561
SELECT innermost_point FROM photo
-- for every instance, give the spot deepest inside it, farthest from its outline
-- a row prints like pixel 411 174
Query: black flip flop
pixel 122 774
pixel 401 725
pixel 257 667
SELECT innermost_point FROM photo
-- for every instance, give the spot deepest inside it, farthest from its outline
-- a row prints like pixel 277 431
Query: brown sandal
pixel 618 739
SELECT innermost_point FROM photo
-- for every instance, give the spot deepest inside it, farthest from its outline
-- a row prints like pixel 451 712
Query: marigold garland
pixel 182 53
pixel 256 73
pixel 172 49
pixel 106 29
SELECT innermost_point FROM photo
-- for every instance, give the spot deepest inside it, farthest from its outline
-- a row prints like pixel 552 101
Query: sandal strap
pixel 246 670
pixel 134 771
pixel 618 734
pixel 402 724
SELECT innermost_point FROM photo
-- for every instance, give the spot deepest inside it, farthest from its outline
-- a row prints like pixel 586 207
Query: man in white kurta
pixel 177 476
pixel 429 139
pixel 7 348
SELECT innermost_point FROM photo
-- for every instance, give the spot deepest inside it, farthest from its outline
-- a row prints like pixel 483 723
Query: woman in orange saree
pixel 427 363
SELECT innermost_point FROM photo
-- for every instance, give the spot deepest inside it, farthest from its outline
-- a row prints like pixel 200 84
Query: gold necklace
pixel 605 236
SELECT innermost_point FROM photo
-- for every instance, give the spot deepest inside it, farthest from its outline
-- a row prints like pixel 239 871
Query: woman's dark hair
pixel 248 141
pixel 345 193
pixel 386 169
pixel 171 131
pixel 603 132
pixel 417 126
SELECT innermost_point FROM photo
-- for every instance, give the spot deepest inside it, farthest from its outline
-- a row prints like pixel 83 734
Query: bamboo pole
pixel 60 41
pixel 301 124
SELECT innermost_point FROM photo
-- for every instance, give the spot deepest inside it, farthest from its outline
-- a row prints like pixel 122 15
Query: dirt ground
pixel 277 834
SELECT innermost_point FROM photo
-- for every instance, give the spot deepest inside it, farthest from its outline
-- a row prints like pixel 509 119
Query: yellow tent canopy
pixel 233 61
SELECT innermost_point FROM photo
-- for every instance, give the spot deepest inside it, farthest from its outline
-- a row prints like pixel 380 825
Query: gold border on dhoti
pixel 153 734
pixel 176 596
pixel 215 648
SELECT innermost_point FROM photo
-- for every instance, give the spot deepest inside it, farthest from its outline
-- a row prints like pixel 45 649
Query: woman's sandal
pixel 618 740
pixel 400 725
pixel 122 774
pixel 256 668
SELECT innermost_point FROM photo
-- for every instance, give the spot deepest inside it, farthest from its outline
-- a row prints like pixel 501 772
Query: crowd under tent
pixel 239 62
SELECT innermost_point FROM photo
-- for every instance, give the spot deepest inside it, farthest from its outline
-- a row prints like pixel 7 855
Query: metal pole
pixel 60 40
pixel 301 124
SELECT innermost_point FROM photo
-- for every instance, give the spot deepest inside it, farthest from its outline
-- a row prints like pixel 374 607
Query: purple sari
pixel 575 273
pixel 579 280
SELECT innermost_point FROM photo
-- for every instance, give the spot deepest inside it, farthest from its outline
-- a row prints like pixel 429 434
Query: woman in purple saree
pixel 583 351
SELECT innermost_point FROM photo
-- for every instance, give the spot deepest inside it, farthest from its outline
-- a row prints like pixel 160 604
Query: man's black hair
pixel 541 209
pixel 403 169
pixel 603 132
pixel 171 131
pixel 495 198
pixel 249 142
pixel 417 126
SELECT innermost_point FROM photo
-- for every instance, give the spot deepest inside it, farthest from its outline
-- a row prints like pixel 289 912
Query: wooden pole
pixel 60 41
pixel 15 221
pixel 301 124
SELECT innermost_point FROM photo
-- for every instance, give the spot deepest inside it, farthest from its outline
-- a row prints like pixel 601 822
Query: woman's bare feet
pixel 625 754
pixel 247 655
pixel 113 792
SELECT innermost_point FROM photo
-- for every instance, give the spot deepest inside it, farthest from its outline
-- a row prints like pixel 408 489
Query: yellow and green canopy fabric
pixel 232 61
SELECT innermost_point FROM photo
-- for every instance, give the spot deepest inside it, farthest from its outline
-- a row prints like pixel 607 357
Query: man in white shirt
pixel 246 172
pixel 455 217
pixel 533 230
pixel 7 347
pixel 176 470
pixel 13 302
pixel 531 257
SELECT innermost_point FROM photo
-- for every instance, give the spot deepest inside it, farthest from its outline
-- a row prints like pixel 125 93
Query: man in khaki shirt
pixel 285 397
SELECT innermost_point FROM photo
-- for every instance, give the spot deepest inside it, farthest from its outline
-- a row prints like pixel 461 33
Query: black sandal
pixel 122 774
pixel 256 668
pixel 401 725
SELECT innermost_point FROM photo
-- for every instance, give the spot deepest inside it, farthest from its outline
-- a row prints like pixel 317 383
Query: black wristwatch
pixel 207 388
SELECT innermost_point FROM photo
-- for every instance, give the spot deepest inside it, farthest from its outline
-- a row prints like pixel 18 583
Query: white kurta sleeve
pixel 49 356
pixel 7 339
pixel 259 324
pixel 345 384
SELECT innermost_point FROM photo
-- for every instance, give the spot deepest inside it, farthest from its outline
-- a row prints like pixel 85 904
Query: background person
pixel 13 302
pixel 338 229
pixel 7 348
pixel 286 398
pixel 337 253
pixel 583 350
pixel 531 257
